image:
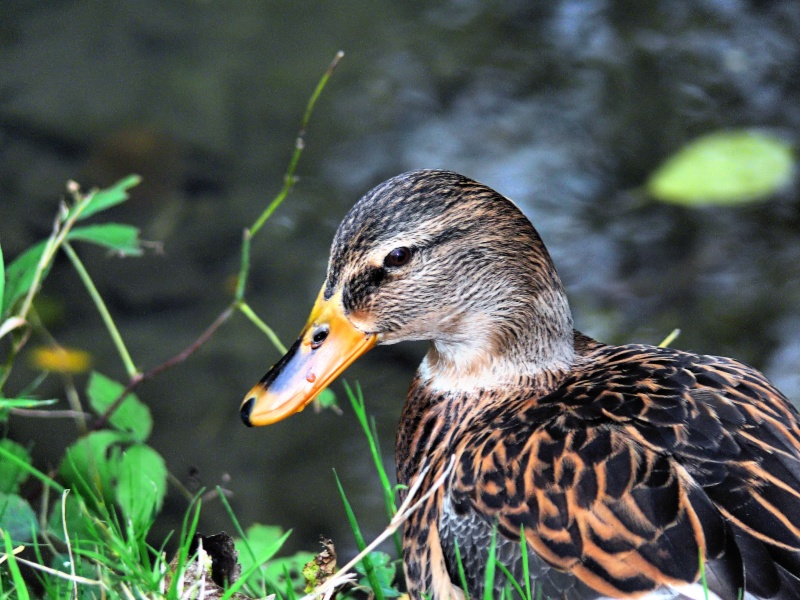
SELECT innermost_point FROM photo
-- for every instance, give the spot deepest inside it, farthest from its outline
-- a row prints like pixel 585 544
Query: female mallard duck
pixel 630 470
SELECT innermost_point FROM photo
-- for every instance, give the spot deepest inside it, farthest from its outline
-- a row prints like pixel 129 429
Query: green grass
pixel 86 532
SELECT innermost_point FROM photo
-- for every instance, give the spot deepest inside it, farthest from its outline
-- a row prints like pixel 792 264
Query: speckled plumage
pixel 623 465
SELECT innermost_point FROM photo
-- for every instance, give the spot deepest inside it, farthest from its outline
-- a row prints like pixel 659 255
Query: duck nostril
pixel 319 335
pixel 247 408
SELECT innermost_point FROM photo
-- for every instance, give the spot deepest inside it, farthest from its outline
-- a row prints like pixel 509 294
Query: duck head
pixel 428 255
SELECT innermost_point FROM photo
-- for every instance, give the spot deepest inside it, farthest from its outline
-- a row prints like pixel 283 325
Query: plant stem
pixel 244 269
pixel 103 310
pixel 175 360
pixel 56 239
pixel 289 178
pixel 248 312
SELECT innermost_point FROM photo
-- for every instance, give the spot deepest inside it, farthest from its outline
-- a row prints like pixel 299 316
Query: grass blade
pixel 13 567
pixel 369 568
pixel 462 574
pixel 491 563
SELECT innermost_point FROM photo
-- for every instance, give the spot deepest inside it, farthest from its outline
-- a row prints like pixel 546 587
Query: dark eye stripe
pixel 397 257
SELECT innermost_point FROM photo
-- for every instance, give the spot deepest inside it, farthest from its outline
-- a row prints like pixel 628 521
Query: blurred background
pixel 566 106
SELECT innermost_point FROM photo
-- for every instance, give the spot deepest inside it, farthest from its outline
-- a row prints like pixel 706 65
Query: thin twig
pixel 49 414
pixel 158 369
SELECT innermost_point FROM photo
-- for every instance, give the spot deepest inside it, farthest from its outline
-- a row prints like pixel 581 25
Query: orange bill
pixel 328 344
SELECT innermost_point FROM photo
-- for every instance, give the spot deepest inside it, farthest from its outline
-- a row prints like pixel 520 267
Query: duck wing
pixel 643 461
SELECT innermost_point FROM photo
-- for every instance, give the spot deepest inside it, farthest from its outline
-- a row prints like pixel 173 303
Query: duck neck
pixel 506 347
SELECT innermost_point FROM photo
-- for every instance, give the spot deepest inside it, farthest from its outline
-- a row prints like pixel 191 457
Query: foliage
pixel 85 532
pixel 724 167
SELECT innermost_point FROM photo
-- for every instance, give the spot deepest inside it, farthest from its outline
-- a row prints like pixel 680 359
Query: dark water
pixel 564 106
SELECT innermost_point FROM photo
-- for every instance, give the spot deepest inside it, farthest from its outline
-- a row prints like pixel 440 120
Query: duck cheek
pixel 328 344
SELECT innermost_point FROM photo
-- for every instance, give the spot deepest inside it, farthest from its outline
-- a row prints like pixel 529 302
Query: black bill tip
pixel 247 408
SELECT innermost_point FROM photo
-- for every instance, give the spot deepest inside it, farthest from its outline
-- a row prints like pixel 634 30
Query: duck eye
pixel 397 257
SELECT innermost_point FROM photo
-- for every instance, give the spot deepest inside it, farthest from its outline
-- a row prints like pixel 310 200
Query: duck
pixel 599 471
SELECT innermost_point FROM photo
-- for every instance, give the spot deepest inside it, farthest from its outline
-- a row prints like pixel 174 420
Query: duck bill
pixel 328 344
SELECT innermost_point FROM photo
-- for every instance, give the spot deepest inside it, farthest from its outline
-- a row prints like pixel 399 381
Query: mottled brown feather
pixel 623 465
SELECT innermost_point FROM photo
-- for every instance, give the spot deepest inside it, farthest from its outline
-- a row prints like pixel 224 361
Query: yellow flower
pixel 61 360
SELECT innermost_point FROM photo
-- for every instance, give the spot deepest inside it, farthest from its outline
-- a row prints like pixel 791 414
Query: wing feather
pixel 639 464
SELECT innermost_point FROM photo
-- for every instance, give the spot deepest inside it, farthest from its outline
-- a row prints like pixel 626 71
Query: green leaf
pixel 265 545
pixel 91 465
pixel 17 517
pixel 264 542
pixel 132 416
pixel 110 196
pixel 142 485
pixel 20 274
pixel 261 539
pixel 12 475
pixel 275 570
pixel 385 569
pixel 725 167
pixel 326 398
pixel 80 525
pixel 121 238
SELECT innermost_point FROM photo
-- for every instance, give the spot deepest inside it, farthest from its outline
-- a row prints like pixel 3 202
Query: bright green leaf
pixel 20 274
pixel 265 541
pixel 726 167
pixel 327 398
pixel 12 475
pixel 121 238
pixel 17 517
pixel 142 485
pixel 91 465
pixel 132 416
pixel 261 537
pixel 110 196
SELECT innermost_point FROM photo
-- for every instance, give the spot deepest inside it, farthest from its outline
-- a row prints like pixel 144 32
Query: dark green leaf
pixel 91 465
pixel 121 238
pixel 110 196
pixel 142 485
pixel 12 474
pixel 132 416
pixel 17 517
pixel 19 275
pixel 79 525
pixel 725 167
